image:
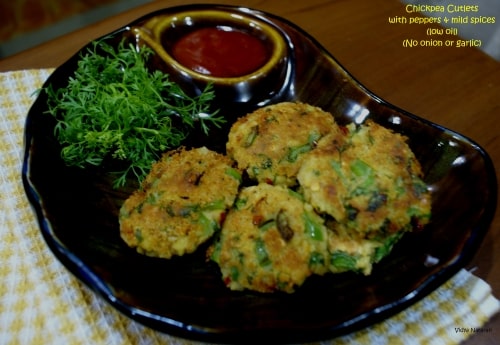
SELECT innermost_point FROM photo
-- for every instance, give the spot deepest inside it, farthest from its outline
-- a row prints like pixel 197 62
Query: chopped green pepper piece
pixel 234 174
pixel 249 140
pixel 209 225
pixel 337 167
pixel 138 235
pixel 419 187
pixel 214 205
pixel 296 194
pixel 294 152
pixel 240 203
pixel 386 247
pixel 235 274
pixel 316 259
pixel 343 261
pixel 261 253
pixel 360 168
pixel 313 229
pixel 216 252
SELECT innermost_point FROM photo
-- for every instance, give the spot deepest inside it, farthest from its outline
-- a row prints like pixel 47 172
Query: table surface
pixel 457 87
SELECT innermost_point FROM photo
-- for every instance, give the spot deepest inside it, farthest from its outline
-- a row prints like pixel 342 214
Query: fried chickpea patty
pixel 372 183
pixel 369 188
pixel 270 241
pixel 271 142
pixel 181 203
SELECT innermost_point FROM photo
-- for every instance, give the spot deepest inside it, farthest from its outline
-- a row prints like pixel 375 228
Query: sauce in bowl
pixel 220 52
pixel 243 57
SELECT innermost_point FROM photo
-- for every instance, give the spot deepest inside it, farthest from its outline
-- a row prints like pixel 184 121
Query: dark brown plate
pixel 77 211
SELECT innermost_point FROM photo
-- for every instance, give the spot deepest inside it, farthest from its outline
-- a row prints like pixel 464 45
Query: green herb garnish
pixel 114 107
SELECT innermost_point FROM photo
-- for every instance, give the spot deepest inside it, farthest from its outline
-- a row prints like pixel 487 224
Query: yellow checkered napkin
pixel 42 303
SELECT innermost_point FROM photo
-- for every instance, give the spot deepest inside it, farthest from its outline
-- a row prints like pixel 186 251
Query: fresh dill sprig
pixel 114 107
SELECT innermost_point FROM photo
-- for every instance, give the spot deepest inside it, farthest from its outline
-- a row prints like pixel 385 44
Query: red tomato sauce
pixel 220 53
